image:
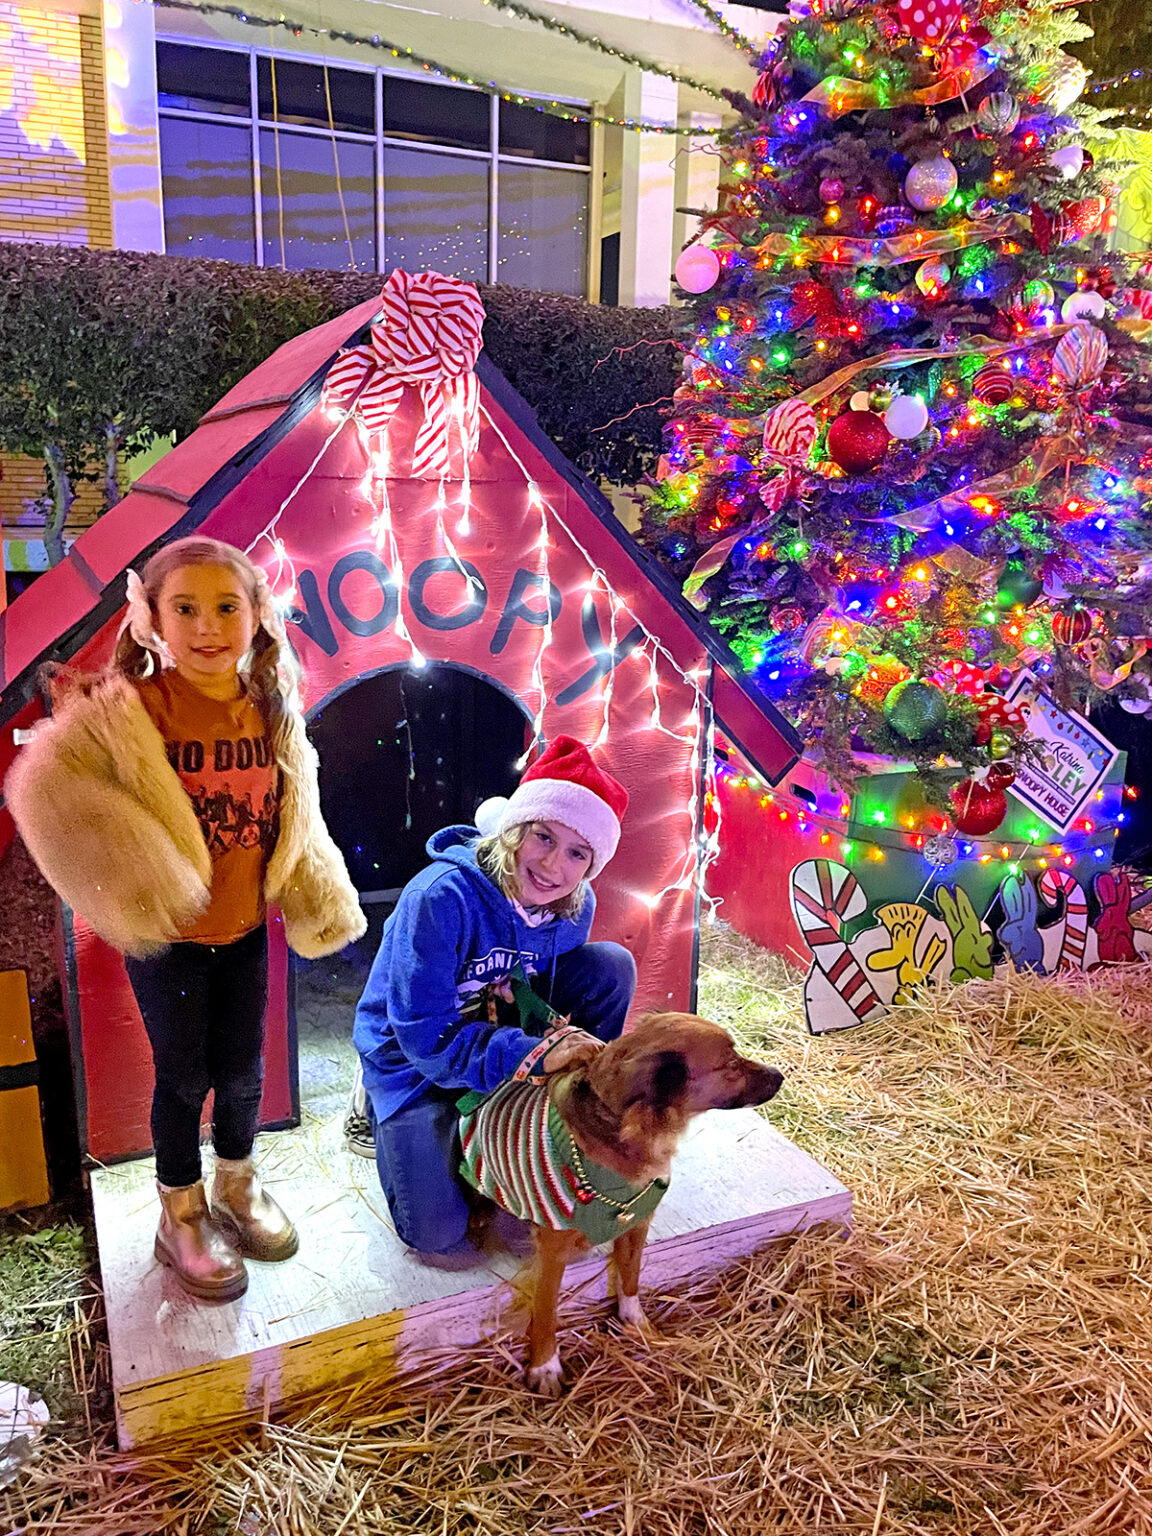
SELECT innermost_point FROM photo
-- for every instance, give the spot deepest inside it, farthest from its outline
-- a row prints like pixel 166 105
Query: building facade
pixel 470 141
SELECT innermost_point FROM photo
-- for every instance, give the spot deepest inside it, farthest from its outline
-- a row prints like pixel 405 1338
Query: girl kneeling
pixel 492 919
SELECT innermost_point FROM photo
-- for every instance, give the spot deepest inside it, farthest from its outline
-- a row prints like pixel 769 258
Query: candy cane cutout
pixel 824 897
pixel 1052 883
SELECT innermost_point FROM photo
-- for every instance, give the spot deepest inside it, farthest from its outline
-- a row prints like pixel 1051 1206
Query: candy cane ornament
pixel 824 897
pixel 1053 883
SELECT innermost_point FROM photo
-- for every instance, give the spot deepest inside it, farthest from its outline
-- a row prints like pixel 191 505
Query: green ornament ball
pixel 1016 586
pixel 915 710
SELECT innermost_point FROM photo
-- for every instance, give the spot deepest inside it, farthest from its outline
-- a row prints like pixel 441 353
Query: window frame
pixel 380 140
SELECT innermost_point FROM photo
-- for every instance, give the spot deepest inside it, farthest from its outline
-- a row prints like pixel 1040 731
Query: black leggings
pixel 203 1007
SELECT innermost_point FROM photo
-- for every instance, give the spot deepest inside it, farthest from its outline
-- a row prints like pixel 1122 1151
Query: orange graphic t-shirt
pixel 224 760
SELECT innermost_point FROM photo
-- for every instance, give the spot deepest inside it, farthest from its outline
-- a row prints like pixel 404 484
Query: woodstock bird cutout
pixel 857 974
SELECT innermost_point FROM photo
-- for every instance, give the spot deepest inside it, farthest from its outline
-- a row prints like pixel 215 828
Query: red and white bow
pixel 427 339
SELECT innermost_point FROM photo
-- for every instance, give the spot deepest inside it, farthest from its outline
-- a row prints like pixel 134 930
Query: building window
pixel 296 164
pixel 317 201
pixel 543 227
pixel 436 212
pixel 207 187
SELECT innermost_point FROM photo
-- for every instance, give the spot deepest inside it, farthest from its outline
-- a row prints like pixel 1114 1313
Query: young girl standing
pixel 167 802
pixel 484 949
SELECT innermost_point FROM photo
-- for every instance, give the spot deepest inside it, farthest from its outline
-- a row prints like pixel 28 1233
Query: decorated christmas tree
pixel 903 467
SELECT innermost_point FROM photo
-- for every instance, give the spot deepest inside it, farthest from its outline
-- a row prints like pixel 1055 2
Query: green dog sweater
pixel 518 1152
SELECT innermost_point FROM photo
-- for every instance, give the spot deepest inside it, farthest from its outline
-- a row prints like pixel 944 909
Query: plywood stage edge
pixel 355 1302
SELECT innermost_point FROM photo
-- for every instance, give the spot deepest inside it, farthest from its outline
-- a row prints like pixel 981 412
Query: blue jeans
pixel 418 1148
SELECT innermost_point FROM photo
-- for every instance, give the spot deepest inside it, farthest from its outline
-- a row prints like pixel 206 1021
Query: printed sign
pixel 1076 762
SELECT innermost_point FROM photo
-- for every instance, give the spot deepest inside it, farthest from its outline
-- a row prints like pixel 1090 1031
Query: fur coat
pixel 108 821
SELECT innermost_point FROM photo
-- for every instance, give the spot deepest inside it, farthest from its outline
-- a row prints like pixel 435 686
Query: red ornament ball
pixel 786 617
pixel 1072 626
pixel 977 809
pixel 993 384
pixel 857 441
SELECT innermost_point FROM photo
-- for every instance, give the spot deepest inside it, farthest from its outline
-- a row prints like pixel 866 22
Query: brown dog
pixel 586 1155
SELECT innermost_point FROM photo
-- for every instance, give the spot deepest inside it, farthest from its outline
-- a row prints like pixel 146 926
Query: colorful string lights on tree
pixel 899 469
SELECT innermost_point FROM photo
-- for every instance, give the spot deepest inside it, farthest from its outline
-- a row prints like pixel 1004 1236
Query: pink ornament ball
pixel 857 441
pixel 831 189
pixel 697 268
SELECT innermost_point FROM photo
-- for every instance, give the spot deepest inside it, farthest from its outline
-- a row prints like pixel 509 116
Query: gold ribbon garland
pixel 849 250
pixel 839 94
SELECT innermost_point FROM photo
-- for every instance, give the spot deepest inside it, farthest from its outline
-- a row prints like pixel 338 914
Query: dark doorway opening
pixel 405 753
pixel 402 754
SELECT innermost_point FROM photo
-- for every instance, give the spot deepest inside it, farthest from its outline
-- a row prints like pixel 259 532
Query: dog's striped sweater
pixel 518 1152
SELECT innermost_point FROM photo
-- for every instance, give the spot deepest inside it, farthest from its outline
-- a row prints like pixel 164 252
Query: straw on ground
pixel 974 1358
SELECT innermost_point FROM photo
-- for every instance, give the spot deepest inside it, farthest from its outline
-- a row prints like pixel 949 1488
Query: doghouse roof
pixel 68 604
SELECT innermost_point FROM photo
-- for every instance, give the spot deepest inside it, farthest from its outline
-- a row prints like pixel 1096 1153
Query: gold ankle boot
pixel 256 1224
pixel 200 1256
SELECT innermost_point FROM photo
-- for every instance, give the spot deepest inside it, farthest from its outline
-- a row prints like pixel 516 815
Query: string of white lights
pixel 544 576
pixel 269 530
pixel 376 484
pixel 703 847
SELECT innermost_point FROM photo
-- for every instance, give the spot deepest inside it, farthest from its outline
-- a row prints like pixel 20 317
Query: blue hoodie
pixel 452 934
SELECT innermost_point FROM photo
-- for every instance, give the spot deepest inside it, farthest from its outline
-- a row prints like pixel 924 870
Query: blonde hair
pixel 270 671
pixel 496 856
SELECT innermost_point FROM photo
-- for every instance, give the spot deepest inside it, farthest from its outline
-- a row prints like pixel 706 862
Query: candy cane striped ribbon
pixel 428 338
pixel 820 916
pixel 1053 882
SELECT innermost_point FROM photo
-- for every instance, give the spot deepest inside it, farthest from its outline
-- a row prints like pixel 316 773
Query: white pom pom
pixel 489 814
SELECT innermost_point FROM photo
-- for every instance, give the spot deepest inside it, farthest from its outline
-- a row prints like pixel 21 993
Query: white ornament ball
pixel 1068 160
pixel 906 417
pixel 859 401
pixel 697 268
pixel 930 183
pixel 932 275
pixel 1088 305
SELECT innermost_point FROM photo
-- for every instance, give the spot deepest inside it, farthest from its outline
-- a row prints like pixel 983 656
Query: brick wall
pixel 53 127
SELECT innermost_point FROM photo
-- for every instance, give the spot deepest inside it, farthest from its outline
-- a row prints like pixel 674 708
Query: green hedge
pixel 103 351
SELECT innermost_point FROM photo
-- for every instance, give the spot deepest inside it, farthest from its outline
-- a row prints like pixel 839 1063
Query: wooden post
pixel 23 1171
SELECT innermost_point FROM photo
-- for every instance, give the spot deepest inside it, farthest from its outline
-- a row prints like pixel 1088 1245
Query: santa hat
pixel 564 785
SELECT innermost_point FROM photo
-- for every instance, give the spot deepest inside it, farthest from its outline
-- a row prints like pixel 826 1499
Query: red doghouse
pixel 528 581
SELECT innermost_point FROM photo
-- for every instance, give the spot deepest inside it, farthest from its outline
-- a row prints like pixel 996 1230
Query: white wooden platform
pixel 355 1301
